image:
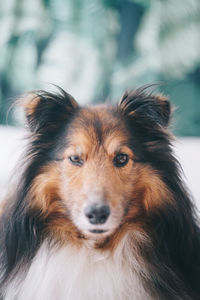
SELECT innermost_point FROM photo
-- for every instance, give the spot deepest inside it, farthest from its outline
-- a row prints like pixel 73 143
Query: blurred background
pixel 96 49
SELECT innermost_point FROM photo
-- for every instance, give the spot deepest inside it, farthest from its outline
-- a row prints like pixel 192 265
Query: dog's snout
pixel 97 214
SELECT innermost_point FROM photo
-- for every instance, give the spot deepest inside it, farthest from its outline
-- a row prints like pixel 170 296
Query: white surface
pixel 12 144
pixel 188 153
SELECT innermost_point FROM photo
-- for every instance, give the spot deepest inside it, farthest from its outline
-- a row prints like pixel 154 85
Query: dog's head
pixel 96 169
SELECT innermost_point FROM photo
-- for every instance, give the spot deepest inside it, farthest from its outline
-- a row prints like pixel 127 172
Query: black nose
pixel 97 214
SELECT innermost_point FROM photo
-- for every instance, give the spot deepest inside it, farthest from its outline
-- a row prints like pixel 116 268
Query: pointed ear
pixel 141 104
pixel 45 110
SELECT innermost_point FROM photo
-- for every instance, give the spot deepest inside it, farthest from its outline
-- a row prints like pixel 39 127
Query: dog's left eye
pixel 76 160
pixel 121 160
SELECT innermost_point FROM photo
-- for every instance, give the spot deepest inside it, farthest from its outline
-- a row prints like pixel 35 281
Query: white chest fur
pixel 68 273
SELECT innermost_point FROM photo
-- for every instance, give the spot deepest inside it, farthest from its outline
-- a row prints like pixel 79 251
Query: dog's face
pixel 97 171
pixel 98 177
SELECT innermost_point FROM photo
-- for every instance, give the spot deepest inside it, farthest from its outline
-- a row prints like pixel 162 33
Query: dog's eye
pixel 120 160
pixel 76 160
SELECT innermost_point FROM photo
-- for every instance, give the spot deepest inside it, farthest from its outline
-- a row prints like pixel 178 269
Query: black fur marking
pixel 51 110
pixel 146 106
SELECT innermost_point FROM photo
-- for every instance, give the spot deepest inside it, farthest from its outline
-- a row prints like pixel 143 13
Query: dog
pixel 100 210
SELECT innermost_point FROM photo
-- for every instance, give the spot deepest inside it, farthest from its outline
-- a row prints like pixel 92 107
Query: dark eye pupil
pixel 121 160
pixel 76 160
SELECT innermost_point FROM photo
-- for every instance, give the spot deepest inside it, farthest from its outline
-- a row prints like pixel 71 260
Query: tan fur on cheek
pixel 45 198
pixel 151 190
pixel 45 189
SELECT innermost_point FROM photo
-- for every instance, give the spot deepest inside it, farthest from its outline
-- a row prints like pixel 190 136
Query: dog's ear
pixel 45 110
pixel 145 105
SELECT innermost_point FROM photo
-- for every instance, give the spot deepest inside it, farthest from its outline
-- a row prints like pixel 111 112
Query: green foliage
pixel 95 49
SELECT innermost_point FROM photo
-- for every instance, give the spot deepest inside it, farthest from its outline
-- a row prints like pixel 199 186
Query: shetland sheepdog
pixel 100 210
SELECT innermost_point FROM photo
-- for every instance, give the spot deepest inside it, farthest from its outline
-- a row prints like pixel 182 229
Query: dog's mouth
pixel 98 231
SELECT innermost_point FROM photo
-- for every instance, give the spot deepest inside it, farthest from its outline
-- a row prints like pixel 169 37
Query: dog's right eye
pixel 76 160
pixel 121 160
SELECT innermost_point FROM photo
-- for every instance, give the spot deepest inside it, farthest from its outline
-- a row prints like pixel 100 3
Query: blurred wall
pixel 95 49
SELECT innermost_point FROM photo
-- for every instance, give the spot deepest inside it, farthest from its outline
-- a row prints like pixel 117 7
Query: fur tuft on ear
pixel 45 109
pixel 140 103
